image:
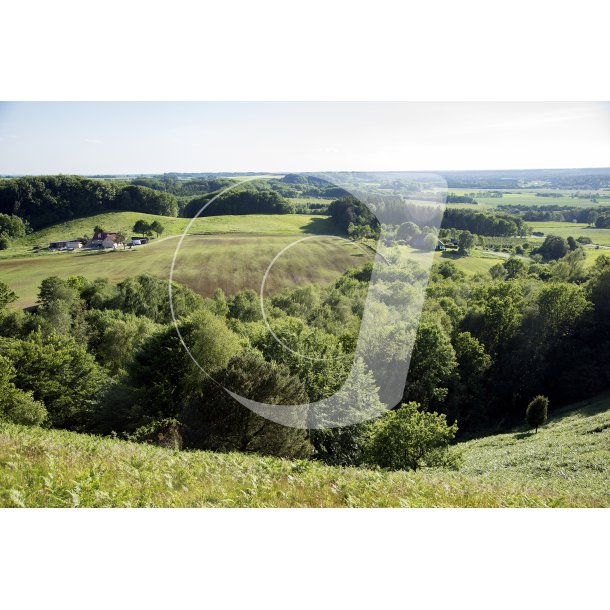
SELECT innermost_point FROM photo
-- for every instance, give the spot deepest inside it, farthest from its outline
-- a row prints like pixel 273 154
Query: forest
pixel 103 358
pixel 44 200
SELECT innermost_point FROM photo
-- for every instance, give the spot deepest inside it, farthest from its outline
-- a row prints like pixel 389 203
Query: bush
pixel 20 408
pixel 536 412
pixel 408 438
pixel 60 373
pixel 11 226
pixel 7 296
pixel 162 432
pixel 17 406
pixel 553 248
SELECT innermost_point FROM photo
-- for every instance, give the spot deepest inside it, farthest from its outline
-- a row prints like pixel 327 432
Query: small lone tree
pixel 536 412
pixel 465 243
pixel 141 227
pixel 407 438
pixel 157 227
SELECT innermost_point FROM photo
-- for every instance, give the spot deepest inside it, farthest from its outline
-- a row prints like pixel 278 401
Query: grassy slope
pixel 233 254
pixel 124 221
pixel 566 464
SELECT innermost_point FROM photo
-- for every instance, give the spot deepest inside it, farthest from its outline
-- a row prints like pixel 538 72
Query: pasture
pixel 476 262
pixel 204 263
pixel 514 197
pixel 124 221
pixel 575 229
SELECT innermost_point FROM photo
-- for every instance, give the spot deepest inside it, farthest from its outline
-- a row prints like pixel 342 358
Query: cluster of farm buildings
pixel 101 240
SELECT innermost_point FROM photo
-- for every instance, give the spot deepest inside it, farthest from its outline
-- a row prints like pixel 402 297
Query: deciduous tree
pixel 407 438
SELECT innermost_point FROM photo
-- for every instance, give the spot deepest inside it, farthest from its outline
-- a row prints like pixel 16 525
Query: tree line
pixel 250 199
pixel 45 200
pixel 483 223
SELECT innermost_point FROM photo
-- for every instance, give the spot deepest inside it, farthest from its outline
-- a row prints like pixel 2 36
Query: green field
pixel 124 221
pixel 567 463
pixel 575 229
pixel 233 255
pixel 528 197
pixel 475 262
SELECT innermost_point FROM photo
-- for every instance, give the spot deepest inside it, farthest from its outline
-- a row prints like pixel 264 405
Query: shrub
pixel 162 432
pixel 15 405
pixel 536 412
pixel 7 296
pixel 407 438
pixel 553 248
pixel 11 226
pixel 60 373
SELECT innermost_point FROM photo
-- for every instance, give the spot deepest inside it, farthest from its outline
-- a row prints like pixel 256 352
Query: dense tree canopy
pixel 45 200
pixel 483 223
pixel 239 201
pixel 348 210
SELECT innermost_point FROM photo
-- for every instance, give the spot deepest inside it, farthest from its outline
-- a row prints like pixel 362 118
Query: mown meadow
pixel 228 252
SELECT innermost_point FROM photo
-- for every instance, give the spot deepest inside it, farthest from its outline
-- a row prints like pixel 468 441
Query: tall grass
pixel 566 464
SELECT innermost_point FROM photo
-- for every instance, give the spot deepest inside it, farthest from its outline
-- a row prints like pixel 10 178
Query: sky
pixel 157 137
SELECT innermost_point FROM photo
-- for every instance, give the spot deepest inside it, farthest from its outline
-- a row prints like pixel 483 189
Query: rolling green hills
pixel 567 463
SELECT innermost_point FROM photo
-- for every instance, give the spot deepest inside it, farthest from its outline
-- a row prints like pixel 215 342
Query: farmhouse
pixel 101 239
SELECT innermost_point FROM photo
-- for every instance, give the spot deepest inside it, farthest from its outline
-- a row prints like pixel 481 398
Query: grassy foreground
pixel 566 464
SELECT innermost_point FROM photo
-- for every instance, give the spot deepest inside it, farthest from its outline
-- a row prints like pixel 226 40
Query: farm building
pixel 75 244
pixel 101 239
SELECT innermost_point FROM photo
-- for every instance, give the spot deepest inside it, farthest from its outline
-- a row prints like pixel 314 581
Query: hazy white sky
pixel 151 137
